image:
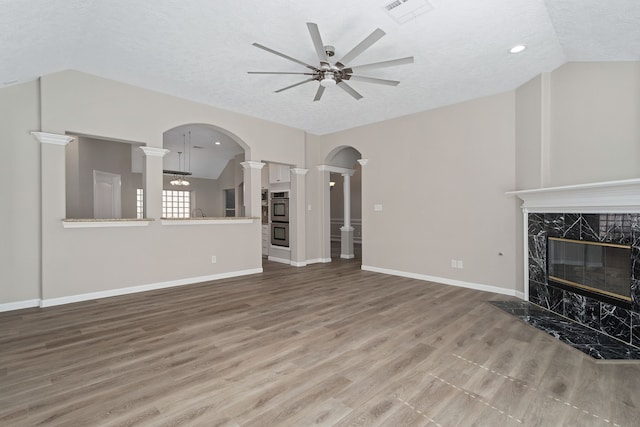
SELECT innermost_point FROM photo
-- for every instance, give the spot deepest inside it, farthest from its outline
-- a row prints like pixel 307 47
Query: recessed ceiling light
pixel 218 142
pixel 517 48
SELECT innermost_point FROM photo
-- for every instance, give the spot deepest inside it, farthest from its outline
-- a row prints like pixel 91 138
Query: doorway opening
pixel 344 214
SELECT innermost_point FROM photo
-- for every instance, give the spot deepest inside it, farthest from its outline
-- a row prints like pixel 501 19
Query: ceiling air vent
pixel 403 11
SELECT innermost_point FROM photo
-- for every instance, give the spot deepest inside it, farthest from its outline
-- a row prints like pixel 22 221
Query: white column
pixel 324 189
pixel 252 182
pixel 298 216
pixel 152 179
pixel 53 200
pixel 346 188
pixel 346 231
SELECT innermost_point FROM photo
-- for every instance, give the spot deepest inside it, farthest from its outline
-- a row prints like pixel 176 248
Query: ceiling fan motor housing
pixel 330 50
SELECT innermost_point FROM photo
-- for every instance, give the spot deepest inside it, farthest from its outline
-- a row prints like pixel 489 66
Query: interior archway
pixel 344 213
pixel 209 160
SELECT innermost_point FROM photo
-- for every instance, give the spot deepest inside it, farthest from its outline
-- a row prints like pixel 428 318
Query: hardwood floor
pixel 321 345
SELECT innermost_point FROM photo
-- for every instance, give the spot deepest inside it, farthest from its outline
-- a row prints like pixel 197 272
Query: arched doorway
pixel 343 215
pixel 204 163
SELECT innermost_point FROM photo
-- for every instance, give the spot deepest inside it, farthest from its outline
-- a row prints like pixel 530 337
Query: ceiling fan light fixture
pixel 328 80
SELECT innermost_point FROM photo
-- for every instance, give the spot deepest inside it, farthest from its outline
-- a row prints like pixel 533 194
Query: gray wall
pixel 81 261
pixel 441 176
pixel 441 182
pixel 579 124
pixel 20 206
pixel 83 156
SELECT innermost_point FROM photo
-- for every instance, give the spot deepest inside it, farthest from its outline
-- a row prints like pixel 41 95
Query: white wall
pixel 85 261
pixel 441 176
pixel 595 122
pixel 20 206
pixel 84 155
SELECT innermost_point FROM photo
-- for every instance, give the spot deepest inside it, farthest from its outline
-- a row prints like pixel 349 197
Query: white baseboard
pixel 143 288
pixel 299 264
pixel 520 295
pixel 318 260
pixel 280 260
pixel 444 281
pixel 19 305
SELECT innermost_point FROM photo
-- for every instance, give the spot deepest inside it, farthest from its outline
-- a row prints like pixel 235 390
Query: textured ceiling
pixel 202 49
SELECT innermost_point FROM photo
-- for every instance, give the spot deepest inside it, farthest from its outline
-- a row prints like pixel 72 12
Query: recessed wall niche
pixel 102 176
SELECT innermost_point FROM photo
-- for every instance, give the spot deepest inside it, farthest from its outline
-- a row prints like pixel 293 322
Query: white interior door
pixel 106 195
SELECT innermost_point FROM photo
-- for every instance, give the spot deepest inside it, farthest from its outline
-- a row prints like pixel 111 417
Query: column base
pixel 346 243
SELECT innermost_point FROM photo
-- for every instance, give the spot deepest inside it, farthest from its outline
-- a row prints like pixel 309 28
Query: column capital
pixel 299 171
pixel 363 162
pixel 52 138
pixel 153 151
pixel 250 164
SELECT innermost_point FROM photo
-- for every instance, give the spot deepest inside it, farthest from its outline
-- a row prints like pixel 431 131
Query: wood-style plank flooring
pixel 322 345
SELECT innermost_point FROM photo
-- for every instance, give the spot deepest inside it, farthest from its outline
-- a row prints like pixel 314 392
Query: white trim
pixel 250 164
pixel 104 223
pixel 336 169
pixel 299 171
pixel 318 260
pixel 347 256
pixel 298 264
pixel 355 223
pixel 205 221
pixel 280 260
pixel 153 151
pixel 611 196
pixel 144 288
pixel 521 295
pixel 363 162
pixel 19 305
pixel 444 281
pixel 52 138
pixel 282 248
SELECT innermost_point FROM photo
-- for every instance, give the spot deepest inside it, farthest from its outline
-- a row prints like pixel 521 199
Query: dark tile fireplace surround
pixel 618 228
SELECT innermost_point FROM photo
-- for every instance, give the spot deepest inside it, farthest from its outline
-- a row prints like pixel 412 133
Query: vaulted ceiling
pixel 202 49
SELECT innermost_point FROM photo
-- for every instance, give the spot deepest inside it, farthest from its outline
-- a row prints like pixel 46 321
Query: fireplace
pixel 582 253
pixel 598 270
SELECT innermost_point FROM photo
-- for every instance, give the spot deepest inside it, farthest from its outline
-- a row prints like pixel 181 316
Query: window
pixel 175 203
pixel 139 203
pixel 230 202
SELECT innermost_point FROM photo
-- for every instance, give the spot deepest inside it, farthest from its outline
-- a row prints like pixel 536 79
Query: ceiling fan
pixel 337 73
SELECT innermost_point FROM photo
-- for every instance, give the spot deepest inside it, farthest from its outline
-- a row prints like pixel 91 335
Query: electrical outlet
pixel 460 265
pixel 214 259
pixel 454 263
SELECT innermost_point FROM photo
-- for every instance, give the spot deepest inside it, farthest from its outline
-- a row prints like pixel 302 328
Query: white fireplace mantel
pixel 612 196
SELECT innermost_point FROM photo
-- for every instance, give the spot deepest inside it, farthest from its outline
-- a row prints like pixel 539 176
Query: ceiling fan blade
pixel 362 46
pixel 294 85
pixel 277 72
pixel 275 52
pixel 374 80
pixel 319 93
pixel 382 64
pixel 317 42
pixel 351 91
